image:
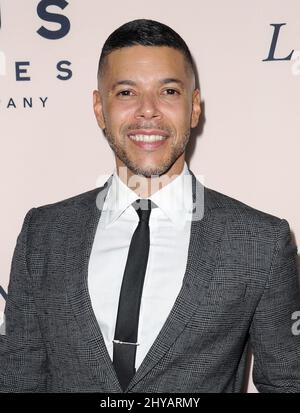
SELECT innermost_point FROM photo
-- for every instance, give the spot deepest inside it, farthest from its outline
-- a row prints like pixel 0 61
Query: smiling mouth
pixel 148 143
pixel 147 138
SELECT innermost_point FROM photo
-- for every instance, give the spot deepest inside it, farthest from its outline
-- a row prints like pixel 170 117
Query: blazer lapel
pixel 83 225
pixel 206 234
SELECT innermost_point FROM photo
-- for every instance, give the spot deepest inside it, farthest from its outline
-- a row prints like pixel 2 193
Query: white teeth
pixel 147 138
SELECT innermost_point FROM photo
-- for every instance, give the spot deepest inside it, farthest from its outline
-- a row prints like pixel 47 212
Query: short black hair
pixel 144 32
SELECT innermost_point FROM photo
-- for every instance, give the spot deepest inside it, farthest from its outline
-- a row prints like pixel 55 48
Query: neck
pixel 145 187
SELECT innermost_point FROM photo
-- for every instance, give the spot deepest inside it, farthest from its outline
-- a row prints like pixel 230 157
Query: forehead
pixel 150 61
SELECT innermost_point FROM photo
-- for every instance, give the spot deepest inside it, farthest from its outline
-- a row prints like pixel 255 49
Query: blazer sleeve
pixel 22 351
pixel 275 342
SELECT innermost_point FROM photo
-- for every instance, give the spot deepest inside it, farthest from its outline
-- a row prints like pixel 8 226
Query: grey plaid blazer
pixel 240 287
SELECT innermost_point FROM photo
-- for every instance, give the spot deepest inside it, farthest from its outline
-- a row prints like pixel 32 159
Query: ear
pixel 98 109
pixel 196 108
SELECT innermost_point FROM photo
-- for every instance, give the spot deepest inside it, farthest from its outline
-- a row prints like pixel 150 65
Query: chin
pixel 148 171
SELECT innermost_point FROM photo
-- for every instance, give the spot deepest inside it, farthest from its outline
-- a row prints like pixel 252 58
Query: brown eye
pixel 171 92
pixel 124 93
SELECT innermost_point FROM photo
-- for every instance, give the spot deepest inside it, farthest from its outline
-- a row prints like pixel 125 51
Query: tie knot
pixel 143 208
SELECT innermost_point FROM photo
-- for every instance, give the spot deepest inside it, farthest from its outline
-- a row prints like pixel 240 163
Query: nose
pixel 147 107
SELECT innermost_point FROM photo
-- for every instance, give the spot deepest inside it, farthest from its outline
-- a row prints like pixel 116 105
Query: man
pixel 151 283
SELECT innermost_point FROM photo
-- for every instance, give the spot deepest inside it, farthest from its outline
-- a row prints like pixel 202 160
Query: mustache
pixel 149 126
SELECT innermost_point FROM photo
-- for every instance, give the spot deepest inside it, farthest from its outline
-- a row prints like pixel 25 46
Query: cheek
pixel 116 120
pixel 119 113
pixel 178 116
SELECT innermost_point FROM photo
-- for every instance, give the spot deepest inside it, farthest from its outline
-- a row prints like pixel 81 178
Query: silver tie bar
pixel 125 342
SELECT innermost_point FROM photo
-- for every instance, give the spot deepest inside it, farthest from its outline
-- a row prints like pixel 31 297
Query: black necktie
pixel 126 332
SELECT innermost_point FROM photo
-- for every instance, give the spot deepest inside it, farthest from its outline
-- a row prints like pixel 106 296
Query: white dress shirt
pixel 170 226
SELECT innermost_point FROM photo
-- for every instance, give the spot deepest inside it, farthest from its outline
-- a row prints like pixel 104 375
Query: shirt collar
pixel 174 199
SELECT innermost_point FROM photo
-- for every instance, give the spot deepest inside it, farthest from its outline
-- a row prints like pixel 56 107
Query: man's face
pixel 147 104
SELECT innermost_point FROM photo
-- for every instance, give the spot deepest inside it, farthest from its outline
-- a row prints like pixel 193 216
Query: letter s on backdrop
pixel 63 21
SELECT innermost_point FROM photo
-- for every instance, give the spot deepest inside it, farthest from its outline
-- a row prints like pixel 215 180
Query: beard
pixel 177 149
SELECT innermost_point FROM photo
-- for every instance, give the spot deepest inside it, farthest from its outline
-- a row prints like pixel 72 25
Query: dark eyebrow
pixel 172 80
pixel 162 81
pixel 123 82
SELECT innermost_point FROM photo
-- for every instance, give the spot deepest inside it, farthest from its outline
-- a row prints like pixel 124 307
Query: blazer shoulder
pixel 74 200
pixel 240 213
pixel 51 224
pixel 64 210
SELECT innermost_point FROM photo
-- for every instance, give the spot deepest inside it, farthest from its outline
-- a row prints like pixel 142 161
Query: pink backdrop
pixel 249 147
